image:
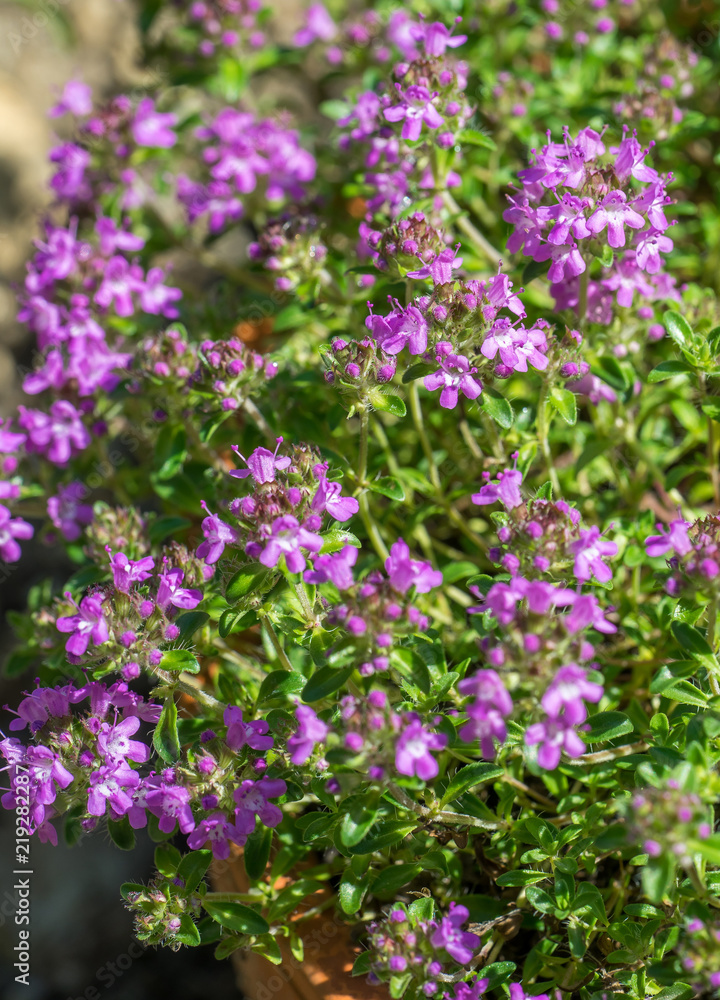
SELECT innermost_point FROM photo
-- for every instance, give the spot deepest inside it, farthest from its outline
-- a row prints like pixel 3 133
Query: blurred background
pixel 81 936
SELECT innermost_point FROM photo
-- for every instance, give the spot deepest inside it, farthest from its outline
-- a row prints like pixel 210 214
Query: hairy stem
pixel 543 426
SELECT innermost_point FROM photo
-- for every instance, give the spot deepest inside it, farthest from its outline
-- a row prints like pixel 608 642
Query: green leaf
pixel 691 639
pixel 389 404
pixel 471 137
pixel 539 899
pixel 498 408
pixel 121 833
pixel 233 621
pixel 193 867
pixel 657 877
pixel 246 581
pixel 497 973
pixel 268 947
pixel 280 683
pixel 708 848
pixel 565 402
pixel 416 371
pixel 669 369
pixel 361 966
pixel 180 659
pixel 678 328
pixel 334 109
pixel 167 859
pixel 388 487
pixel 127 887
pixel 164 526
pixel 678 991
pixel 351 891
pixel 188 933
pixel 711 408
pixel 534 269
pixel 607 726
pixel 469 776
pixel 189 623
pixel 686 693
pixel 256 852
pixel 607 256
pixel 325 682
pixel 588 897
pixel 394 878
pixel 357 821
pixel 336 539
pixel 385 834
pixel 521 878
pixel 237 917
pixel 165 737
pixel 291 895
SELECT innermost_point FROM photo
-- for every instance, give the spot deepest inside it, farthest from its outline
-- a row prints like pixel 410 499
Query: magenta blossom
pixel 170 592
pixel 261 464
pixel 454 375
pixel 288 537
pixel 318 25
pixel 563 700
pixel 126 571
pixel 554 736
pixel 440 268
pixel 614 212
pixel 405 572
pixel 88 624
pixel 240 733
pixel 506 490
pixel 67 512
pixel 218 534
pixel 676 540
pixel 151 127
pixel 252 799
pixel 336 567
pixel 220 832
pixel 328 497
pixel 416 107
pixel 589 551
pixel 115 744
pixel 310 731
pixel 459 944
pixel 12 528
pixel 413 750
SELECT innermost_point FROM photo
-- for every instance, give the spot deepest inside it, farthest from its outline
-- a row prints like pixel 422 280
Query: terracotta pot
pixel 324 973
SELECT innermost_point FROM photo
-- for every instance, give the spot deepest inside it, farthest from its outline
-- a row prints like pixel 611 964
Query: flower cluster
pixel 575 202
pixel 244 157
pixel 698 954
pixel 692 551
pixel 662 820
pixel 291 249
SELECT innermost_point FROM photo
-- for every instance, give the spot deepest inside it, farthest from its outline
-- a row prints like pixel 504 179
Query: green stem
pixel 583 296
pixel 417 416
pixel 712 463
pixel 543 426
pixel 361 490
pixel 711 625
pixel 473 234
pixel 281 654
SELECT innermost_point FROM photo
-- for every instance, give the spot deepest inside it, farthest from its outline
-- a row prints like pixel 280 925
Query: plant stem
pixel 712 463
pixel 416 410
pixel 361 491
pixel 543 426
pixel 282 655
pixel 711 624
pixel 583 295
pixel 462 222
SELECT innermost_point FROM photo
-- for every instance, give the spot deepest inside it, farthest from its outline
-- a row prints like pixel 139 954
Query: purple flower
pixel 486 714
pixel 89 623
pixel 318 25
pixel 471 990
pixel 586 611
pixel 416 108
pixel 440 268
pixel 554 735
pixel 437 38
pixel 58 435
pixel 151 128
pixel 261 464
pixel 76 100
pixel 400 328
pixel 240 734
pixel 487 687
pixel 156 299
pixel 115 744
pixel 170 592
pixel 171 804
pixel 288 536
pixel 648 249
pixel 459 944
pixel 46 770
pixel 127 571
pixel 676 540
pixel 563 699
pixel 615 213
pixel 12 528
pixel 217 536
pixel 506 490
pixel 217 829
pixel 66 511
pixel 328 497
pixel 412 750
pixel 252 798
pixel 110 784
pixel 310 731
pixel 589 551
pixel 594 388
pixel 454 374
pixel 335 567
pixel 405 572
pixel 517 993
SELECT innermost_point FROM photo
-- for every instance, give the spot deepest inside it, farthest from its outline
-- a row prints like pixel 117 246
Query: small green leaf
pixel 361 966
pixel 711 408
pixel 256 852
pixel 233 621
pixel 588 897
pixel 657 877
pixel 165 737
pixel 691 639
pixel 521 878
pixel 388 487
pixel 336 539
pixel 122 834
pixel 193 867
pixel 164 526
pixel 324 682
pixel 607 256
pixel 385 834
pixel 280 683
pixel 389 404
pixel 469 776
pixel 419 370
pixel 351 891
pixel 177 660
pixel 189 623
pixel 246 581
pixel 565 402
pixel 686 693
pixel 394 878
pixel 237 917
pixel 498 408
pixel 678 329
pixel 709 848
pixel 167 859
pixel 471 137
pixel 607 726
pixel 669 369
pixel 188 933
pixel 356 822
